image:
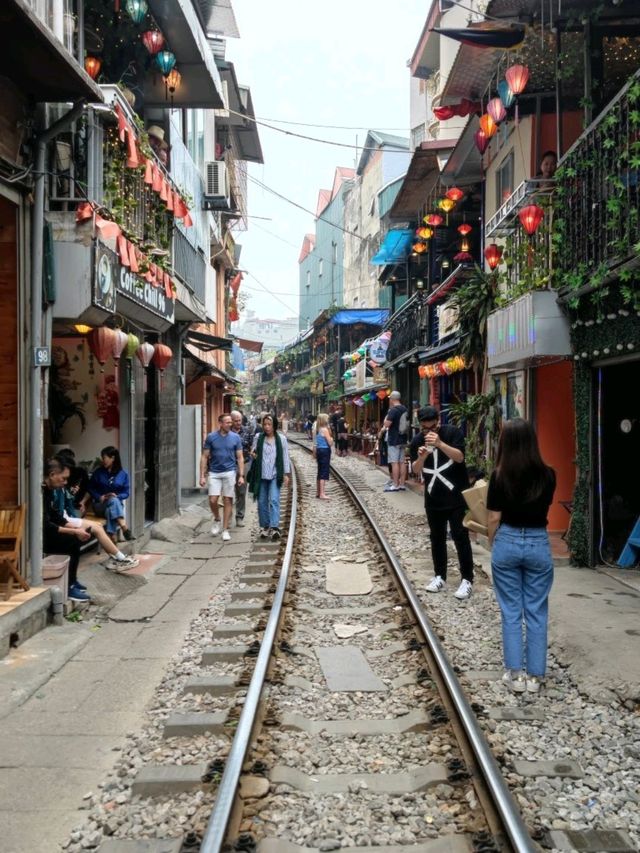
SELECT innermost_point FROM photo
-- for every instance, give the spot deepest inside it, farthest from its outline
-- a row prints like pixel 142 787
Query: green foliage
pixel 475 299
pixel 481 413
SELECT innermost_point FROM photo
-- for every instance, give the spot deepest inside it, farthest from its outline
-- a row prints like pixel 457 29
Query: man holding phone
pixel 437 453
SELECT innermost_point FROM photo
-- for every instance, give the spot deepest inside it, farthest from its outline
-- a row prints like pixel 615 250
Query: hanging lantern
pixel 419 248
pixel 493 255
pixel 162 355
pixel 462 258
pixel 425 233
pixel 488 125
pixel 172 81
pixel 137 10
pixel 481 140
pixel 166 60
pixel 496 110
pixel 464 229
pixel 133 342
pixel 101 343
pixel 362 351
pixel 81 329
pixel 144 354
pixel 153 40
pixel 517 78
pixel 506 95
pixel 455 194
pixel 446 204
pixel 120 341
pixel 434 219
pixel 530 218
pixel 92 66
pixel 464 246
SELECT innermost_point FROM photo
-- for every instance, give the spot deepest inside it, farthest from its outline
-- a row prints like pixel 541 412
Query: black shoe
pixel 275 533
pixel 128 535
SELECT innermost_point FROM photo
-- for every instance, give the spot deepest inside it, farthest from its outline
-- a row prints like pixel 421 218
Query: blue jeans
pixel 522 570
pixel 111 509
pixel 269 503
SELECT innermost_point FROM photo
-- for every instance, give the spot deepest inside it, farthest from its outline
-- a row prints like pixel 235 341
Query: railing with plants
pixel 596 230
pixel 526 258
pixel 408 326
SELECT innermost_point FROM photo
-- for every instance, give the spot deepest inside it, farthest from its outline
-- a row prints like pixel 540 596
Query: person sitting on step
pixel 109 488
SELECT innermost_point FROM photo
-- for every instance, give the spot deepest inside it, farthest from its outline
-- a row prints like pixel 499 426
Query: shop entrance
pixel 617 492
pixel 150 444
pixel 9 450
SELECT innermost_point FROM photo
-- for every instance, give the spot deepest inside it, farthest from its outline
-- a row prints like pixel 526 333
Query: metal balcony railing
pixel 60 18
pixel 408 326
pixel 531 191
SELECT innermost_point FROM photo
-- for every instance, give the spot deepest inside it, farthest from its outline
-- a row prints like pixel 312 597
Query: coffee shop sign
pixel 113 278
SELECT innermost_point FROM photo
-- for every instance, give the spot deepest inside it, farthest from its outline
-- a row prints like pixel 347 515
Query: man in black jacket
pixel 437 453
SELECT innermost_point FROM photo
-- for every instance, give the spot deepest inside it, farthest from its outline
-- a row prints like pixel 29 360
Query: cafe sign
pixel 111 279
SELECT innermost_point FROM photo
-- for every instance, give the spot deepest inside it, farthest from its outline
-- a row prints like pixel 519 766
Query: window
pixel 308 279
pixel 320 263
pixel 504 180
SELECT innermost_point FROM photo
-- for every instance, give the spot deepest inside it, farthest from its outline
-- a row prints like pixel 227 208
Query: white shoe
pixel 464 590
pixel 516 680
pixel 216 527
pixel 533 684
pixel 239 522
pixel 436 585
pixel 226 536
pixel 264 532
pixel 122 565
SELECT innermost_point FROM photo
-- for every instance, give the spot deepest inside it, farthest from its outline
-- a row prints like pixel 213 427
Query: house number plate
pixel 42 356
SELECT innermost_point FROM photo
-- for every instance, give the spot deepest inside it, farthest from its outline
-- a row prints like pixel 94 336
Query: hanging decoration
pixel 463 109
pixel 120 341
pixel 488 125
pixel 133 342
pixel 378 348
pixel 101 344
pixel 235 283
pixel 381 394
pixel 172 82
pixel 137 10
pixel 144 354
pixel 434 219
pixel 530 217
pixel 442 368
pixel 153 40
pixel 166 60
pixel 424 233
pixel 464 229
pixel 463 258
pixel 455 194
pixel 419 248
pixel 506 95
pixel 493 255
pixel 517 77
pixel 92 65
pixel 464 246
pixel 481 140
pixel 82 329
pixel 162 355
pixel 233 310
pixel 496 110
pixel 446 204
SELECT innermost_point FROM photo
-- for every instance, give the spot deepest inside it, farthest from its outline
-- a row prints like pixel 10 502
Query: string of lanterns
pixel 106 343
pixel 442 368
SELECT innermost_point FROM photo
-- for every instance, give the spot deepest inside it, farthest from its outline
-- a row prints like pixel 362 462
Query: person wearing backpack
pixel 397 426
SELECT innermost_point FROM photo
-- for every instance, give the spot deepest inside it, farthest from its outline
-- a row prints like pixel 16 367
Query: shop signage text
pixel 112 278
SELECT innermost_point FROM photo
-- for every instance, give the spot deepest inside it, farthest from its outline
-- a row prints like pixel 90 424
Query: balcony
pixel 408 327
pixel 532 327
pixel 597 201
pixel 532 191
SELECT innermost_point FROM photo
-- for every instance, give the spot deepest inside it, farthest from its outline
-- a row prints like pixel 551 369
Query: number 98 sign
pixel 42 356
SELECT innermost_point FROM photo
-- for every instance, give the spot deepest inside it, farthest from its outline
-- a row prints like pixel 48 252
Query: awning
pixel 188 306
pixel 422 176
pixel 395 247
pixel 218 18
pixel 206 343
pixel 252 346
pixel 351 316
pixel 39 64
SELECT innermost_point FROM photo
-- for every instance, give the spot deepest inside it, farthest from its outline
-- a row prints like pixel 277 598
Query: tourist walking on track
pixel 398 428
pixel 270 469
pixel 221 460
pixel 519 495
pixel 322 442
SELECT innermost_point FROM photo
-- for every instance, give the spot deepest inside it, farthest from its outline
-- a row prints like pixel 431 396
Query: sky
pixel 331 62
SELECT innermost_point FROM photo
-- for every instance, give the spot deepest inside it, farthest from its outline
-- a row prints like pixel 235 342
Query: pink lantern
pixel 120 340
pixel 101 343
pixel 496 110
pixel 517 77
pixel 145 354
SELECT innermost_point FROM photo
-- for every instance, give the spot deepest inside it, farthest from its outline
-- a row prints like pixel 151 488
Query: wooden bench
pixel 11 531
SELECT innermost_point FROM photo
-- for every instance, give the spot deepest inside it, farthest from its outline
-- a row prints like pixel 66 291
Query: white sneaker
pixel 533 684
pixel 122 565
pixel 464 590
pixel 226 536
pixel 436 584
pixel 516 680
pixel 264 532
pixel 216 527
pixel 239 522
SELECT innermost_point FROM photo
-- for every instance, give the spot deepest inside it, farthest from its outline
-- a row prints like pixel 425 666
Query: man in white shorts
pixel 221 457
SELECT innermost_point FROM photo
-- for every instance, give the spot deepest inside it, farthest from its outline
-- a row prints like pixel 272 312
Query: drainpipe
pixel 35 412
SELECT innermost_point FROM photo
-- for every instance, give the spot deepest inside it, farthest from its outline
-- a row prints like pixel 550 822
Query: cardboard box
pixel 477 518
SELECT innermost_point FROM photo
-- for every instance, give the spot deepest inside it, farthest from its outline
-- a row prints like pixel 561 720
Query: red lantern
pixel 101 343
pixel 434 219
pixel 145 353
pixel 153 40
pixel 92 66
pixel 162 355
pixel 530 217
pixel 381 394
pixel 462 257
pixel 517 77
pixel 493 255
pixel 455 194
pixel 488 125
pixel 120 340
pixel 235 283
pixel 480 138
pixel 464 229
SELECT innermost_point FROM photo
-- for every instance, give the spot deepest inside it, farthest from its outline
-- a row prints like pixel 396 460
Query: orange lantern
pixel 419 248
pixel 425 233
pixel 531 217
pixel 488 126
pixel 101 343
pixel 493 255
pixel 381 394
pixel 92 66
pixel 455 194
pixel 162 355
pixel 144 354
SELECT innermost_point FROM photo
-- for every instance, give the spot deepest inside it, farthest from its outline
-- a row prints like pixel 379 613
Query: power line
pixel 327 126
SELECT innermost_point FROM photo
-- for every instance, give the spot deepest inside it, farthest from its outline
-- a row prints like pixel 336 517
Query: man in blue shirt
pixel 221 457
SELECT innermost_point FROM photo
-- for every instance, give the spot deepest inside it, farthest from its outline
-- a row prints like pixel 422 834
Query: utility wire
pixel 327 126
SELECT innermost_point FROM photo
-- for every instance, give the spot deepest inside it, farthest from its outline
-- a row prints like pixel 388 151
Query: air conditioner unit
pixel 216 194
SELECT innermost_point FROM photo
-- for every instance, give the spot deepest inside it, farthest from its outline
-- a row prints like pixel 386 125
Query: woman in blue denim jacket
pixel 519 495
pixel 109 488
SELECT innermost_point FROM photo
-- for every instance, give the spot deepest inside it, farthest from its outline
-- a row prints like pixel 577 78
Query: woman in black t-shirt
pixel 520 492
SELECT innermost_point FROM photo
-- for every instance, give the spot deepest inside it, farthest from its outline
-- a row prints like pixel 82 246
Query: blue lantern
pixel 137 10
pixel 166 60
pixel 506 95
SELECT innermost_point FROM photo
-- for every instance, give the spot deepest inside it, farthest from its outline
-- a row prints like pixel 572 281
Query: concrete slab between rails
pixel 394 784
pixel 301 683
pixel 258 579
pixel 219 686
pixel 405 681
pixel 217 654
pixel 166 780
pixel 516 714
pixel 415 721
pixel 348 579
pixel 567 769
pixel 236 610
pixel 247 594
pixel 391 649
pixel 444 844
pixel 259 566
pixel 591 840
pixel 113 845
pixel 343 611
pixel 233 629
pixel 346 670
pixel 192 724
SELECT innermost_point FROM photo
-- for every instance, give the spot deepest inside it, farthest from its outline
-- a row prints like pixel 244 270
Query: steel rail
pixel 214 836
pixel 504 803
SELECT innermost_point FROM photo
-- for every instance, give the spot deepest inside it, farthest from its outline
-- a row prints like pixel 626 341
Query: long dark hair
pixel 520 470
pixel 113 453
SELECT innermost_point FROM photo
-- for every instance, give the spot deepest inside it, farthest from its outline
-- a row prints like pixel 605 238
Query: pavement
pixel 70 695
